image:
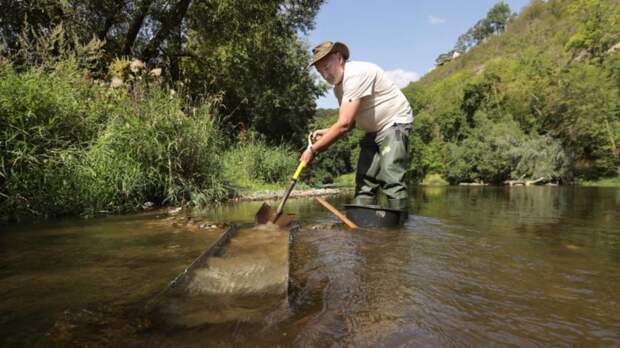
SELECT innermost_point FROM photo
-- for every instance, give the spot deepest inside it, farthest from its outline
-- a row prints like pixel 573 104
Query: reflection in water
pixel 474 266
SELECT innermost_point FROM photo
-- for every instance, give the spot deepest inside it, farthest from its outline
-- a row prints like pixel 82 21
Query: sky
pixel 403 37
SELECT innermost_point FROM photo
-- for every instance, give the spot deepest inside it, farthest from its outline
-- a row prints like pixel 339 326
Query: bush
pixel 500 151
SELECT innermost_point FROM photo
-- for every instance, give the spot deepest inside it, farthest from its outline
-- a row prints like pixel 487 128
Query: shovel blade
pixel 266 215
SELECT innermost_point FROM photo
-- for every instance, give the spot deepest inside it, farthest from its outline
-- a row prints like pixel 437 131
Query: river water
pixel 473 266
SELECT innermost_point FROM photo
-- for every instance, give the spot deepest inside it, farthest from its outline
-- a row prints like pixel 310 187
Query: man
pixel 368 99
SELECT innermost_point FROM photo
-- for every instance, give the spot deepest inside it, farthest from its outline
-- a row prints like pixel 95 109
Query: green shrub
pixel 346 180
pixel 613 181
pixel 500 151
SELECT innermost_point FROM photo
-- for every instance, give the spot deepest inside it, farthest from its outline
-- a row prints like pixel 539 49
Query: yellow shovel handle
pixel 300 167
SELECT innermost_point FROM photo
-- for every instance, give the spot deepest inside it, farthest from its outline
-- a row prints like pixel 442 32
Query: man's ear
pixel 341 59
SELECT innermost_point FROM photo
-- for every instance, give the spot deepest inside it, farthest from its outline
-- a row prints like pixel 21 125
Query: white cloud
pixel 435 20
pixel 401 77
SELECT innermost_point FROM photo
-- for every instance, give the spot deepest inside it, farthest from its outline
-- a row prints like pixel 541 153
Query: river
pixel 472 266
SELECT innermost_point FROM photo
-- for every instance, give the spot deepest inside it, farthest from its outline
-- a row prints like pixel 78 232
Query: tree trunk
pixel 169 21
pixel 612 141
pixel 110 20
pixel 135 26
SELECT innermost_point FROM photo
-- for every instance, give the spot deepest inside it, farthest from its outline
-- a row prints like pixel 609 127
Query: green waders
pixel 383 163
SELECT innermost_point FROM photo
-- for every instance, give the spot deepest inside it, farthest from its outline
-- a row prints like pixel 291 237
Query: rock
pixel 175 211
pixel 614 48
pixel 325 226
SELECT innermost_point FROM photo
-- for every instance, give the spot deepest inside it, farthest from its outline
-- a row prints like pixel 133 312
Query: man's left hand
pixel 307 156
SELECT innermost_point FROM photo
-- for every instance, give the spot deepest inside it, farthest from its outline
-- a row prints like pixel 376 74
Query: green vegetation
pixel 494 23
pixel 251 164
pixel 347 180
pixel 87 128
pixel 434 180
pixel 539 99
pixel 70 145
pixel 223 102
pixel 607 182
pixel 248 53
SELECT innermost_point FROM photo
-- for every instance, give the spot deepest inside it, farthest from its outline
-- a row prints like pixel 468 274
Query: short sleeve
pixel 357 86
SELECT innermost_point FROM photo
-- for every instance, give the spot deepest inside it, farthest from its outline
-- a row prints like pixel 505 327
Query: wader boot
pixel 383 163
pixel 401 204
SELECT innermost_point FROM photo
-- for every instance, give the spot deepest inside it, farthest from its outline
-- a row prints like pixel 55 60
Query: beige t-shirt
pixel 382 103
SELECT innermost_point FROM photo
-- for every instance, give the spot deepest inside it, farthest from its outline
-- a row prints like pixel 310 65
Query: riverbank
pixel 268 195
pixel 607 182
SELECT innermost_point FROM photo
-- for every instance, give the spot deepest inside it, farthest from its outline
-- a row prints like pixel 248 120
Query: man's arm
pixel 346 120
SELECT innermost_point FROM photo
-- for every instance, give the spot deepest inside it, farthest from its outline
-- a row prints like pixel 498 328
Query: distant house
pixel 446 57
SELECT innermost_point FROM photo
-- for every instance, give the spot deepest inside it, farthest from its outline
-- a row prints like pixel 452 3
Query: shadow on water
pixel 521 266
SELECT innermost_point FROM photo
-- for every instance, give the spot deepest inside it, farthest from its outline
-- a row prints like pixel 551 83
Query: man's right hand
pixel 317 134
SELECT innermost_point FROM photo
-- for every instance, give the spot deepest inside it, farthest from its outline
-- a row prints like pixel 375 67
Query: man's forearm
pixel 335 132
pixel 346 121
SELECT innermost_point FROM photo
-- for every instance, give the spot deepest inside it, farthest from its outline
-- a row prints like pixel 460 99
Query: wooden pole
pixel 338 214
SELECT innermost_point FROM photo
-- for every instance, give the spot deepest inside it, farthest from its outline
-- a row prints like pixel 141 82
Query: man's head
pixel 329 59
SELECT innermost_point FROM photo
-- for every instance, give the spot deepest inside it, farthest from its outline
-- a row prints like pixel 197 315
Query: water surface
pixel 473 266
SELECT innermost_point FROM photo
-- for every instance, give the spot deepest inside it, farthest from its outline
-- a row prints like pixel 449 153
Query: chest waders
pixel 383 162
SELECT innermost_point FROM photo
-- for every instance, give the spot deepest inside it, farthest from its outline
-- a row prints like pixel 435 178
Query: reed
pixel 71 145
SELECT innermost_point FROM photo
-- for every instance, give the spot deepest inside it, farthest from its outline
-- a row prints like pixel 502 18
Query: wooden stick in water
pixel 338 214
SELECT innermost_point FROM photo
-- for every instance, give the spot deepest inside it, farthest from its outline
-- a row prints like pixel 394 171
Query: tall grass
pixel 603 182
pixel 44 122
pixel 71 145
pixel 252 164
pixel 154 152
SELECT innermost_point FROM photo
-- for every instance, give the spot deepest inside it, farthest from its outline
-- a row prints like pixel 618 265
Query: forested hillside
pixel 536 99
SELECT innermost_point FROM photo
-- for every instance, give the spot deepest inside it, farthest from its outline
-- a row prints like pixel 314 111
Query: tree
pixel 494 23
pixel 583 111
pixel 598 29
pixel 249 53
pixel 497 18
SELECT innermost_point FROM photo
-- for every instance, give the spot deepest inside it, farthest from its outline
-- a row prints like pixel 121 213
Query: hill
pixel 538 99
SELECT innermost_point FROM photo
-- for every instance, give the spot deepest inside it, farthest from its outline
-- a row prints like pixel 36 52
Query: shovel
pixel 266 215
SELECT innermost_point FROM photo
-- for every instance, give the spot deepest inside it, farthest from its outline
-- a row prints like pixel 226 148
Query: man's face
pixel 330 68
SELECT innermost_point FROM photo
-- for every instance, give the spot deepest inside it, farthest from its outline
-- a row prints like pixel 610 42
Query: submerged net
pixel 242 277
